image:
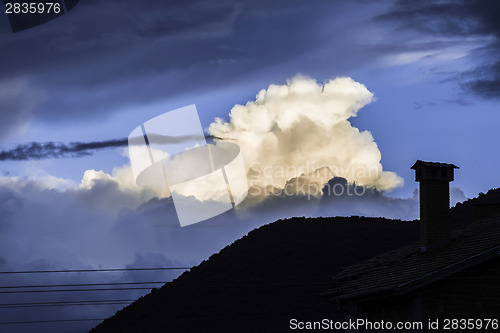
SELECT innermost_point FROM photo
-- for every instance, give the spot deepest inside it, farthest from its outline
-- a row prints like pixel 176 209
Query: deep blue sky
pixel 105 67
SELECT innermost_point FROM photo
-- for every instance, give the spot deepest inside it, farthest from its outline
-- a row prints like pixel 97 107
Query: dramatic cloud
pixel 459 22
pixel 301 127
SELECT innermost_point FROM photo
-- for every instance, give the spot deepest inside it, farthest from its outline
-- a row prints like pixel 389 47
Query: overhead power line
pixel 67 302
pixel 98 270
pixel 71 290
pixel 80 285
pixel 49 321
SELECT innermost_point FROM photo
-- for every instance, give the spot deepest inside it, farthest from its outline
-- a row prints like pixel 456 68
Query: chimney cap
pixel 420 163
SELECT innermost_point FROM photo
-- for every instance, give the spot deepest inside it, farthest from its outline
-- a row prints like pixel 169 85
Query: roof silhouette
pixel 403 270
pixel 433 164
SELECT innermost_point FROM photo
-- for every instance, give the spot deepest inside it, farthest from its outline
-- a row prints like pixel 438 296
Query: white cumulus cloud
pixel 302 126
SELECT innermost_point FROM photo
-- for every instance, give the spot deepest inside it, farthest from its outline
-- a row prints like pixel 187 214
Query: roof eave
pixel 443 272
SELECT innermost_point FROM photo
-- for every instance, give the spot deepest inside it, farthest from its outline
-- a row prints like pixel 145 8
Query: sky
pixel 322 89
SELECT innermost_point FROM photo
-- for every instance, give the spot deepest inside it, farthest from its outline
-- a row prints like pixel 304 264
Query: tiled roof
pixel 399 271
pixel 434 164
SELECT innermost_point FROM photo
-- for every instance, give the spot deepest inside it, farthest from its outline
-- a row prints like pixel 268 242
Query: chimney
pixel 434 181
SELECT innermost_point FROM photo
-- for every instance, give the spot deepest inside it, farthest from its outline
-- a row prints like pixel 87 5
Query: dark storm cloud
pixel 463 18
pixel 106 55
pixel 9 203
pixel 17 101
pixel 87 228
pixel 44 229
pixel 47 150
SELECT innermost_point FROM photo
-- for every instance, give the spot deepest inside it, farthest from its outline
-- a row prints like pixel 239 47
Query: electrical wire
pixel 97 270
pixel 80 285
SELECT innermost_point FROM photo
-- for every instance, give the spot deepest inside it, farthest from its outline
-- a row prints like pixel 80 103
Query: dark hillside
pixel 463 213
pixel 262 280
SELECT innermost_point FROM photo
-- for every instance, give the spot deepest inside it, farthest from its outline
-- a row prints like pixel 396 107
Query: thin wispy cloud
pixel 54 150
